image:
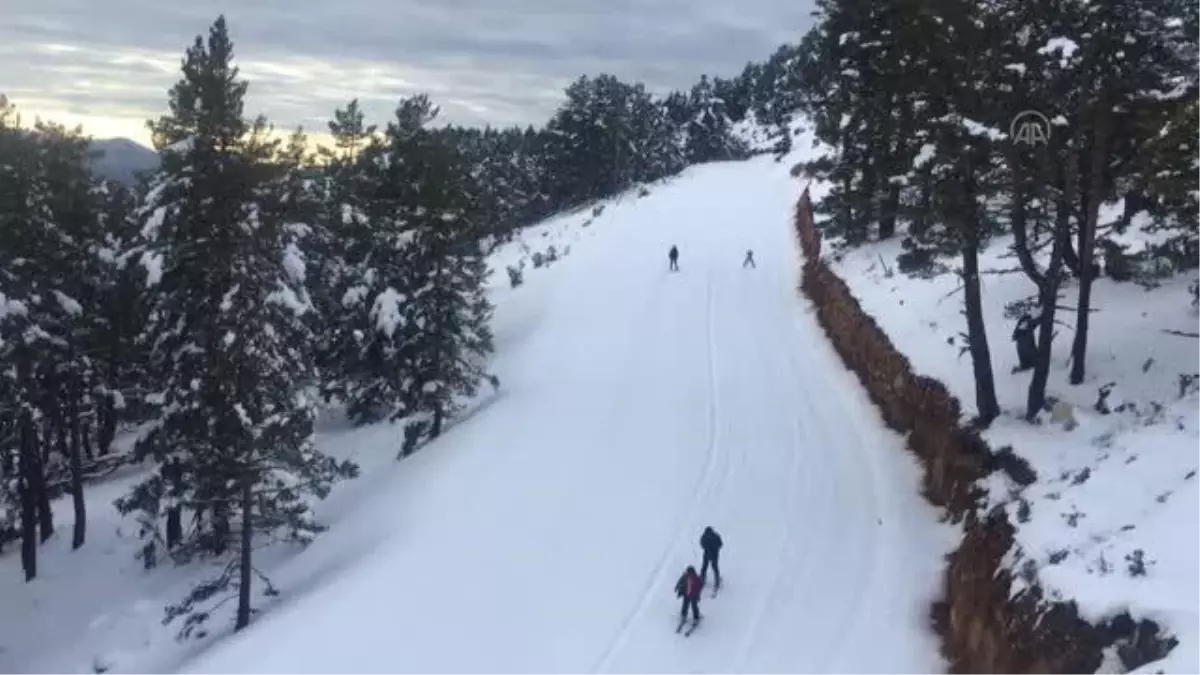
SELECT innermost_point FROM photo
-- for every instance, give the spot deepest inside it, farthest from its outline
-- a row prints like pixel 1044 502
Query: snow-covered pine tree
pixel 25 234
pixel 364 367
pixel 49 274
pixel 415 313
pixel 233 438
pixel 709 130
pixel 654 153
pixel 341 245
pixel 120 316
pixel 70 269
pixel 442 309
pixel 1136 70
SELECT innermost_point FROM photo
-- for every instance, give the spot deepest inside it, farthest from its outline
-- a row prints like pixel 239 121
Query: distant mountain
pixel 122 160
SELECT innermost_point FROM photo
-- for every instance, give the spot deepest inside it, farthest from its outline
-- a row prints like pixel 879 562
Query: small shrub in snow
pixel 1137 563
pixel 1152 265
pixel 412 435
pixel 538 260
pixel 1188 384
pixel 515 276
pixel 643 191
pixel 597 211
pixel 1102 395
pixel 1028 572
pixel 551 255
pixel 1118 264
pixel 1073 517
pixel 1023 511
pixel 919 261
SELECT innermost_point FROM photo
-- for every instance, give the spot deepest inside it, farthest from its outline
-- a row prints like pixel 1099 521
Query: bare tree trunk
pixel 1048 299
pixel 28 465
pixel 174 475
pixel 106 426
pixel 897 147
pixel 981 357
pixel 74 394
pixel 1048 291
pixel 42 494
pixel 86 437
pixel 922 217
pixel 866 196
pixel 245 564
pixel 438 418
pixel 1020 217
pixel 1087 235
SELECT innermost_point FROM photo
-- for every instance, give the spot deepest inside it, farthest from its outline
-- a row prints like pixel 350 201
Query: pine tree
pixel 709 130
pixel 366 369
pixel 23 237
pixel 49 274
pixel 444 308
pixel 340 240
pixel 233 437
pixel 120 316
pixel 1132 67
pixel 71 274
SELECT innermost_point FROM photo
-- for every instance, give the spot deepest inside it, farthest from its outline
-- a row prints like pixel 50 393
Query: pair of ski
pixel 695 622
pixel 690 628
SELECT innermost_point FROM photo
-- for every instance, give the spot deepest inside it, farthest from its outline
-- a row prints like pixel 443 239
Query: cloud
pixel 108 65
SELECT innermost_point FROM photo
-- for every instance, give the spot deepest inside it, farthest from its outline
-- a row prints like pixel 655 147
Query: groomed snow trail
pixel 547 532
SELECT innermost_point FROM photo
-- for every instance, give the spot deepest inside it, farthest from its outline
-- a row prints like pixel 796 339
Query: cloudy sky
pixel 107 64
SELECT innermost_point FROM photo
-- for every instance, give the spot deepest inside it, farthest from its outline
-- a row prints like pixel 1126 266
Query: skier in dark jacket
pixel 688 587
pixel 711 542
pixel 673 255
pixel 749 260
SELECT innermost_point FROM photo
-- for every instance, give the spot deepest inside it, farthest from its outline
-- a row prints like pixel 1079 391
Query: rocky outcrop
pixel 984 627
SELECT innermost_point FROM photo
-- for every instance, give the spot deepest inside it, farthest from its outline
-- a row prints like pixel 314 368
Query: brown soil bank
pixel 982 629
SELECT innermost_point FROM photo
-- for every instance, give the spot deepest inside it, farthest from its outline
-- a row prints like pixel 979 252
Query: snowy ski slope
pixel 546 532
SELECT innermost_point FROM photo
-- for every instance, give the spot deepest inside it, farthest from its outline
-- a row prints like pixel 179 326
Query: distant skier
pixel 673 256
pixel 749 259
pixel 711 542
pixel 688 587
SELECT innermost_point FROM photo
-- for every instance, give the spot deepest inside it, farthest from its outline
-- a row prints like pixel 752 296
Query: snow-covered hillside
pixel 546 530
pixel 1111 520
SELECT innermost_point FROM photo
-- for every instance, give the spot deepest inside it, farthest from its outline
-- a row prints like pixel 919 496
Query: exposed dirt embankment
pixel 983 629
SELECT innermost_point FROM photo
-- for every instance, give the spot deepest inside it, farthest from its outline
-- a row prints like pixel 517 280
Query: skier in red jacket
pixel 688 587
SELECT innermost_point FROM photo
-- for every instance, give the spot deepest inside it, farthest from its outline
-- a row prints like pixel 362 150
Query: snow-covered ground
pixel 545 532
pixel 1112 520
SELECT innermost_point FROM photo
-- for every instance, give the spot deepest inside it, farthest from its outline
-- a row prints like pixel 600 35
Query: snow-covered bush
pixel 516 275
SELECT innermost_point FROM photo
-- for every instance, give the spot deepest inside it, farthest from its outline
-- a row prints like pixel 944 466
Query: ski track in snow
pixel 546 533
